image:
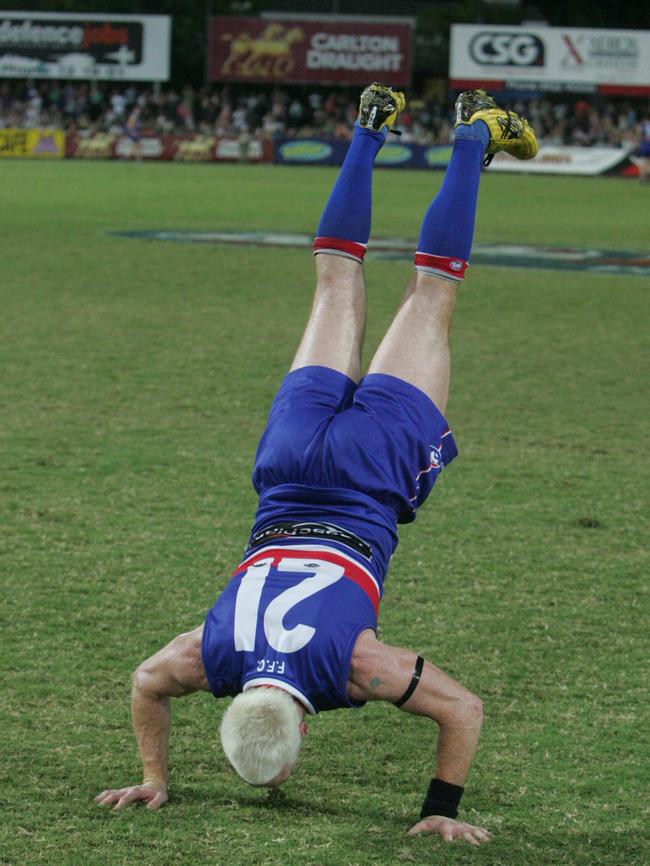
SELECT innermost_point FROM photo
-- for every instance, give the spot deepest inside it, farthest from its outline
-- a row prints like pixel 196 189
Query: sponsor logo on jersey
pixel 436 457
pixel 311 529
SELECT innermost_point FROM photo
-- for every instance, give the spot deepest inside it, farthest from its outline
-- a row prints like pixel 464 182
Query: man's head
pixel 261 734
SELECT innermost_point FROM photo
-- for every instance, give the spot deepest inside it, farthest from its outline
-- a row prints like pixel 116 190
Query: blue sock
pixel 348 210
pixel 448 225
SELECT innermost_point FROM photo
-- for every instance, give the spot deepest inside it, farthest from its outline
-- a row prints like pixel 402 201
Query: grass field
pixel 136 377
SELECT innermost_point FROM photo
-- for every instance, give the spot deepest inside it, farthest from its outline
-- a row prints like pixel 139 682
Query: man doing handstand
pixel 342 461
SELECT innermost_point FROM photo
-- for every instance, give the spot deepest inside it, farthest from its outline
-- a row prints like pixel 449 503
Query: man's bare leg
pixel 416 346
pixel 334 333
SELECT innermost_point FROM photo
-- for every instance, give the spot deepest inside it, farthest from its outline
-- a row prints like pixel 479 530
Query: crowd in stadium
pixel 276 112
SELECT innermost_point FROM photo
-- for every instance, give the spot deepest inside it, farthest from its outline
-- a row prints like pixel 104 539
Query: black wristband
pixel 442 799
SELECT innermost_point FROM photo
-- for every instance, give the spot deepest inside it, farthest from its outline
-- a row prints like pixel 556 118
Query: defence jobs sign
pixel 295 50
pixel 100 47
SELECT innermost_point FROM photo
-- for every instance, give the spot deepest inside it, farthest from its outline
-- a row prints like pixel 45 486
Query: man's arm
pixel 382 672
pixel 174 671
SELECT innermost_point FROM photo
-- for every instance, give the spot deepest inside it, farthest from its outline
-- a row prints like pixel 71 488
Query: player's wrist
pixel 155 782
pixel 442 799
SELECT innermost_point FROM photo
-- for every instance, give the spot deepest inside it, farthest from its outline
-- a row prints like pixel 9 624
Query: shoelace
pixel 509 131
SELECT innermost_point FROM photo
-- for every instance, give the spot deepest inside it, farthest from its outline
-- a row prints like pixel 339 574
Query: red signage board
pixel 295 50
pixel 192 148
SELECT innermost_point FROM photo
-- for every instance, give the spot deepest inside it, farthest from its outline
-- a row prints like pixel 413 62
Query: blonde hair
pixel 260 734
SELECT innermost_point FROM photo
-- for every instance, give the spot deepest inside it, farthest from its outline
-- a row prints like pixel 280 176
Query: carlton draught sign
pixel 306 49
pixel 106 47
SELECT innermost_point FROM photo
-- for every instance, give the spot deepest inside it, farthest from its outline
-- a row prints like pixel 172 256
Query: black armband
pixel 442 799
pixel 415 679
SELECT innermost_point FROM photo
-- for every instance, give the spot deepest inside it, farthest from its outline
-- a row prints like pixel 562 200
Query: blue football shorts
pixel 382 437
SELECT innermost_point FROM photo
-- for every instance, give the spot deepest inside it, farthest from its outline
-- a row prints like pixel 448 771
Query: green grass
pixel 136 378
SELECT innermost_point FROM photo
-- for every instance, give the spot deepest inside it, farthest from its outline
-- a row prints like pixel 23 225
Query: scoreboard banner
pixel 550 58
pixel 71 46
pixel 39 143
pixel 299 49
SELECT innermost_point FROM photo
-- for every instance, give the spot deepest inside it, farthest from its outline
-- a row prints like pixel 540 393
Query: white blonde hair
pixel 260 733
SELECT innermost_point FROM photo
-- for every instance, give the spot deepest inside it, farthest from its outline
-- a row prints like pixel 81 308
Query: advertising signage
pixel 301 49
pixel 550 58
pixel 33 143
pixel 100 47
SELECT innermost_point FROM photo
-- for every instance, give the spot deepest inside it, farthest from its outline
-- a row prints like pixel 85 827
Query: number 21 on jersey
pixel 321 575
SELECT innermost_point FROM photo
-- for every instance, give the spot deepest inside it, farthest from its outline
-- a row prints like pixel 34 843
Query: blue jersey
pixel 338 466
pixel 290 617
pixel 349 511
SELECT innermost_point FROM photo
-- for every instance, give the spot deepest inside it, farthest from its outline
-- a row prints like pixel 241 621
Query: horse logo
pixel 269 55
pixel 197 149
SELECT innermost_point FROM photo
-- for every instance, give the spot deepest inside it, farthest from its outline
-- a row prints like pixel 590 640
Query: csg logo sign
pixel 495 48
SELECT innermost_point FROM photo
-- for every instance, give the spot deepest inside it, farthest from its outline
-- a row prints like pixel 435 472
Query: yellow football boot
pixel 380 106
pixel 508 131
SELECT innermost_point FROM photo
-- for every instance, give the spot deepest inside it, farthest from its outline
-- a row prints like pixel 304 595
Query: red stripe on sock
pixel 447 264
pixel 350 248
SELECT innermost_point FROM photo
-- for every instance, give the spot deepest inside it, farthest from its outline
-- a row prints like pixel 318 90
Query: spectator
pixel 295 112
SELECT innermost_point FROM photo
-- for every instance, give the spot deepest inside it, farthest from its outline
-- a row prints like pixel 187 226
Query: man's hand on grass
pixel 451 829
pixel 152 794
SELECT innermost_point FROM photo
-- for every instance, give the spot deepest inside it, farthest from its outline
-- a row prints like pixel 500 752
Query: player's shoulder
pixel 176 669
